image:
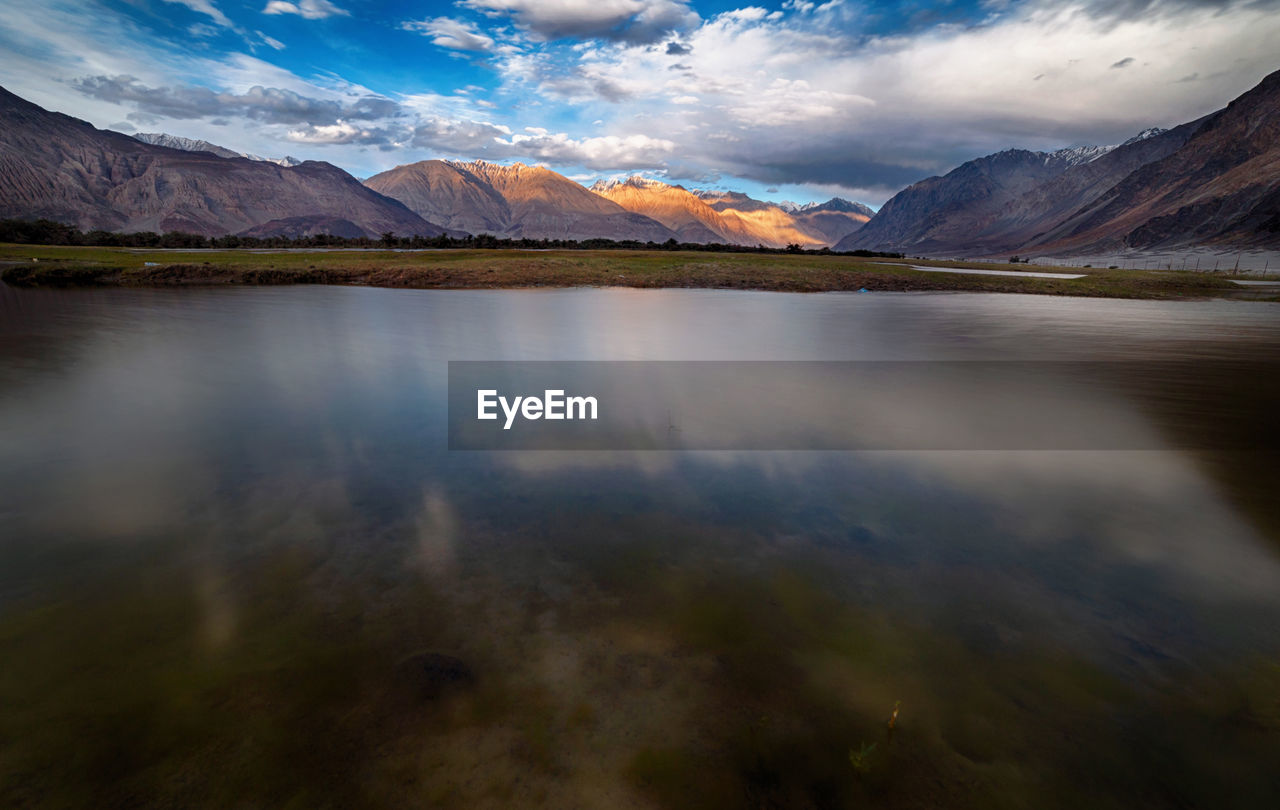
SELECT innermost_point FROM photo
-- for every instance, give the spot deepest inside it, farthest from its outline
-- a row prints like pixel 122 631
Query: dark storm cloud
pixel 1108 14
pixel 639 22
pixel 270 105
pixel 609 91
pixel 833 168
pixel 1144 9
pixel 1123 63
pixel 457 137
pixel 678 49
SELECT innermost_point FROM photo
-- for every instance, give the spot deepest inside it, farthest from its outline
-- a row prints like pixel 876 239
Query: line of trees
pixel 48 232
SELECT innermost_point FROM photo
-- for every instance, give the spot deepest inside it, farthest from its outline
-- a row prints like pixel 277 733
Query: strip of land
pixel 28 265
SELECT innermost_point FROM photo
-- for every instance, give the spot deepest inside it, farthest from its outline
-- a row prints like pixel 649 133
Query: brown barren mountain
pixel 1221 187
pixel 446 194
pixel 673 206
pixel 516 201
pixel 834 219
pixel 769 226
pixel 725 200
pixel 61 168
pixel 963 216
pixel 944 214
pixel 1026 220
pixel 733 218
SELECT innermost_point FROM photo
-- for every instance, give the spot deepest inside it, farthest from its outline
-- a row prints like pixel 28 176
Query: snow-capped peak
pixel 194 145
pixel 1145 134
pixel 1077 155
pixel 635 181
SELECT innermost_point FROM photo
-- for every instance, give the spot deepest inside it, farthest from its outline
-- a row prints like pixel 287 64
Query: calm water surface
pixel 239 567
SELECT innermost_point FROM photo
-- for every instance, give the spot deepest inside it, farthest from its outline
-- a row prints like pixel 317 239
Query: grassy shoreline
pixel 49 266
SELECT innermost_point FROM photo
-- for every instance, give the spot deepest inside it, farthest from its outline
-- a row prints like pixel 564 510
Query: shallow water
pixel 238 566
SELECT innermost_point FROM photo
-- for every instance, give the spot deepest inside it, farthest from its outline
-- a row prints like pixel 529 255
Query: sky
pixel 795 99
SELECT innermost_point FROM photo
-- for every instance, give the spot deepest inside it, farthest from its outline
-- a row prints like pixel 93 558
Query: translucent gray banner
pixel 933 405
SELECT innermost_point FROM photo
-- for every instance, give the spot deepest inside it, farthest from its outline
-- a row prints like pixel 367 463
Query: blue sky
pixel 797 100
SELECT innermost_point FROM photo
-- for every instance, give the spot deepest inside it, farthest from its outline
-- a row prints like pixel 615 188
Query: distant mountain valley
pixel 735 219
pixel 1214 181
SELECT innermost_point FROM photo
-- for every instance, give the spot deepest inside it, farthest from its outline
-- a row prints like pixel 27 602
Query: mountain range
pixel 194 145
pixel 1215 181
pixel 1212 181
pixel 57 167
pixel 516 201
pixel 732 218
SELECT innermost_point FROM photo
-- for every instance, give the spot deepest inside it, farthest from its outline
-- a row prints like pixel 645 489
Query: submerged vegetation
pixel 240 569
pixel 861 759
pixel 281 682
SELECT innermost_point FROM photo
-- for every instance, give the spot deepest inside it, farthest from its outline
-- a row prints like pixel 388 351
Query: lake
pixel 239 565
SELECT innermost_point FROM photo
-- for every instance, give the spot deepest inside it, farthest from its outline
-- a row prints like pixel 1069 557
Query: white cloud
pixel 802 100
pixel 789 102
pixel 603 153
pixel 204 7
pixel 457 35
pixel 445 136
pixel 748 14
pixel 307 9
pixel 343 132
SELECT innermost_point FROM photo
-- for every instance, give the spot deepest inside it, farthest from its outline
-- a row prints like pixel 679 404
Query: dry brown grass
pixel 470 269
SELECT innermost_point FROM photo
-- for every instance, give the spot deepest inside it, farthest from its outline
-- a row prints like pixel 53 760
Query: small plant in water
pixel 861 759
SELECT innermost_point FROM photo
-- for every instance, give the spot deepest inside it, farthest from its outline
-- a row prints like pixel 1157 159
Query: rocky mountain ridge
pixel 734 218
pixel 513 201
pixel 1215 180
pixel 1211 181
pixel 196 145
pixel 61 168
